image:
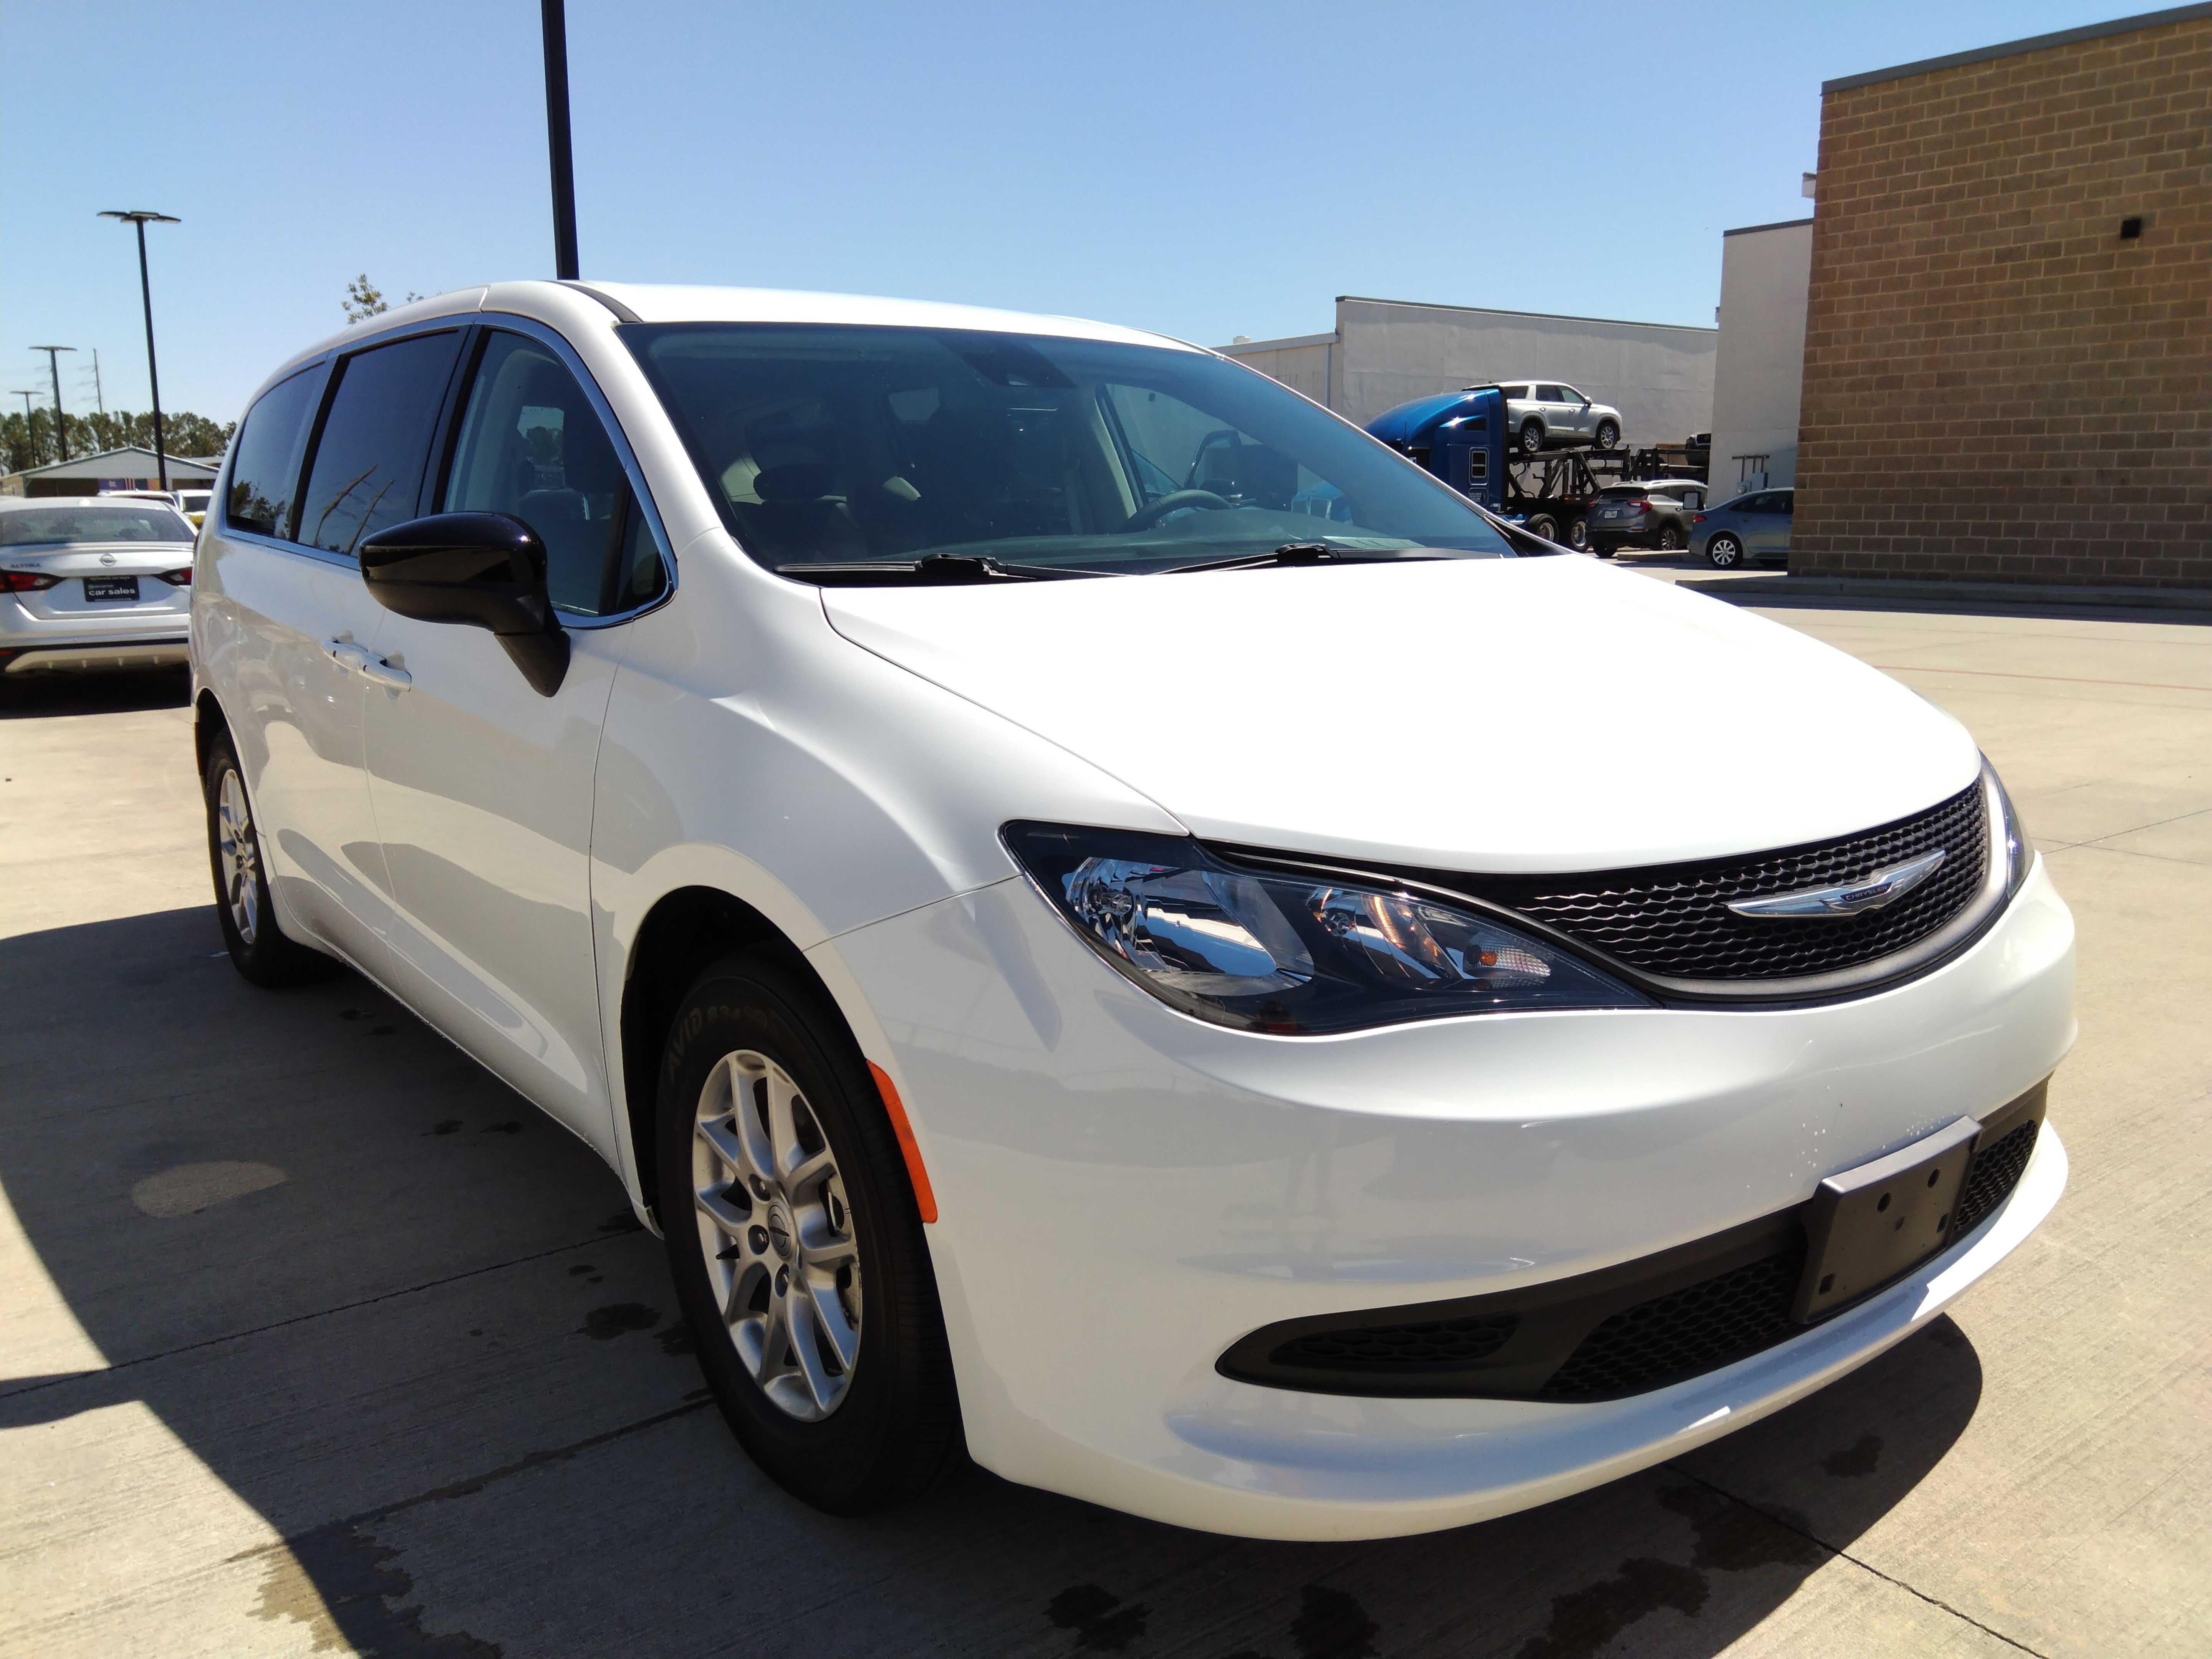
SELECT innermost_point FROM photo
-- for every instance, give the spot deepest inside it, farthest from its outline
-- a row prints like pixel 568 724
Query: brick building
pixel 2009 332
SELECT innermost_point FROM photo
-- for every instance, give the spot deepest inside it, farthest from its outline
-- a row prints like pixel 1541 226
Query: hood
pixel 1498 716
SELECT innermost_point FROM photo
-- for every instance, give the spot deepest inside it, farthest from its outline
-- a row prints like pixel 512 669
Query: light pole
pixel 140 218
pixel 61 432
pixel 553 16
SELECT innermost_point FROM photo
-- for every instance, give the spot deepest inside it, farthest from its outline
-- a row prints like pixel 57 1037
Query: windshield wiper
pixel 1301 553
pixel 931 570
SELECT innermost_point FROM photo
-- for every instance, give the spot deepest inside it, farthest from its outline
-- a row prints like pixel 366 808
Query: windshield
pixel 50 527
pixel 837 445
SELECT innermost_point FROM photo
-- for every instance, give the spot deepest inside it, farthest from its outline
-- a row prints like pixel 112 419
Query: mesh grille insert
pixel 1699 1328
pixel 1996 1171
pixel 1401 1347
pixel 1674 920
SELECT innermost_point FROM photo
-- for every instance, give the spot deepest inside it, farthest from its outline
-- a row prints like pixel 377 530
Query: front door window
pixel 533 446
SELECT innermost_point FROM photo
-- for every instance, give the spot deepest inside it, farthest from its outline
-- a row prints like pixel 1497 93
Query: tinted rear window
pixel 266 468
pixel 48 526
pixel 369 462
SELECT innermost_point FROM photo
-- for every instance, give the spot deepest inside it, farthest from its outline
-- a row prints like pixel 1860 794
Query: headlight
pixel 2010 842
pixel 1294 955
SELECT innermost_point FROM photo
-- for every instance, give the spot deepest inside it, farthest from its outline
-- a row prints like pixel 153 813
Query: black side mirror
pixel 486 569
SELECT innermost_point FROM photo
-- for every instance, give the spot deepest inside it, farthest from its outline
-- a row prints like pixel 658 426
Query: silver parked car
pixel 92 583
pixel 1755 525
pixel 1550 415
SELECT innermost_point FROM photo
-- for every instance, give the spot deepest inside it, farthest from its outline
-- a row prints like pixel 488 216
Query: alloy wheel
pixel 239 855
pixel 777 1231
pixel 1722 551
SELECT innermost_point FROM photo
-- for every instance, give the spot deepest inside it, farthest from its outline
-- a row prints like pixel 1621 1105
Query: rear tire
pixel 1532 437
pixel 258 948
pixel 1724 552
pixel 1578 534
pixel 798 1251
pixel 1545 526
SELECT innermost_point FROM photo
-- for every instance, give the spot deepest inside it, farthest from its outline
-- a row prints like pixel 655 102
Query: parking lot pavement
pixel 314 1338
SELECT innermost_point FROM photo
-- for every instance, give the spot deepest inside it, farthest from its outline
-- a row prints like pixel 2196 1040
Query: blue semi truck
pixel 1461 437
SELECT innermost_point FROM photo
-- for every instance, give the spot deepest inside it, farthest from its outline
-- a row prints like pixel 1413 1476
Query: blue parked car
pixel 1755 525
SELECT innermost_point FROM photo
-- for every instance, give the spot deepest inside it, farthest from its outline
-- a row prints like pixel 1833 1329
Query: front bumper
pixel 1125 1191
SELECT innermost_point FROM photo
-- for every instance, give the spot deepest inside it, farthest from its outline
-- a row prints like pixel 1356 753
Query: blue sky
pixel 1203 169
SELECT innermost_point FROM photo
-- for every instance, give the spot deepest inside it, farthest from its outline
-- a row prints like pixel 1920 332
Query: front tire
pixel 1724 552
pixel 796 1245
pixel 1670 539
pixel 258 949
pixel 1609 435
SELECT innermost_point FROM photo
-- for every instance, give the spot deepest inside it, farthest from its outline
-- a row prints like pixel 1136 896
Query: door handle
pixel 345 653
pixel 380 672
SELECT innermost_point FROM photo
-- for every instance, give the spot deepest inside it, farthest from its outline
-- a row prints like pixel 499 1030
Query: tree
pixel 364 300
pixel 31 443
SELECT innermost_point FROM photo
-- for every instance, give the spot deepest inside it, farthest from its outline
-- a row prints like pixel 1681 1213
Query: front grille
pixel 1391 1348
pixel 1996 1171
pixel 1698 1327
pixel 1674 920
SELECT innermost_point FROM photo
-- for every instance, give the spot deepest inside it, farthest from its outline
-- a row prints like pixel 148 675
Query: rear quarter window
pixel 265 471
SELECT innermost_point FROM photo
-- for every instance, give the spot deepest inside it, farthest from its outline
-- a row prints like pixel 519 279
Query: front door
pixel 483 786
pixel 1766 531
pixel 1576 417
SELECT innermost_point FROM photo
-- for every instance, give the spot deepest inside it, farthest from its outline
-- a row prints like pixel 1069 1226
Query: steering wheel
pixel 1146 517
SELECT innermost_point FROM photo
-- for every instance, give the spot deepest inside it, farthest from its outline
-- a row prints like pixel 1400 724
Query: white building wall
pixel 1766 273
pixel 1385 352
pixel 1304 364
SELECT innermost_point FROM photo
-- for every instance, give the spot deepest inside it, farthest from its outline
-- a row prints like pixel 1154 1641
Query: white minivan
pixel 1259 1021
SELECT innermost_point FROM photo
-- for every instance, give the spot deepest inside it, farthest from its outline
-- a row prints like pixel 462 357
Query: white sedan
pixel 1086 964
pixel 90 582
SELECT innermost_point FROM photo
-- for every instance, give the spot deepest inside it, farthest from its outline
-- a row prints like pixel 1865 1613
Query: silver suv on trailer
pixel 1549 415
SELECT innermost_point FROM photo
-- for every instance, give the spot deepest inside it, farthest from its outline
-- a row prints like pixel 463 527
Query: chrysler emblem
pixel 1848 899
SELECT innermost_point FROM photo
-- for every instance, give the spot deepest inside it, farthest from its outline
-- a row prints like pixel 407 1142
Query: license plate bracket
pixel 1865 1226
pixel 100 588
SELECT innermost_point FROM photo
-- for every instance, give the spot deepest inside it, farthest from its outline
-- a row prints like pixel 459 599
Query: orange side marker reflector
pixel 924 1199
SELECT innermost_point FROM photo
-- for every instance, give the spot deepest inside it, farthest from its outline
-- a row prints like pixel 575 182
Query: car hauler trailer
pixel 1461 437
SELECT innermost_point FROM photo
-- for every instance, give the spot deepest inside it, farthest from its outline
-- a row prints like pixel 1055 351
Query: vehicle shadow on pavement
pixel 409 1323
pixel 35 697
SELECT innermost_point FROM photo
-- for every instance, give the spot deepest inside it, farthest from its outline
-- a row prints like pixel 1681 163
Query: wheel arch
pixel 685 930
pixel 208 719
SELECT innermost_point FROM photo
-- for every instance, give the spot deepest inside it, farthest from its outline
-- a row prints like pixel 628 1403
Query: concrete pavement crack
pixel 599 1242
pixel 1864 1566
pixel 470 1485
